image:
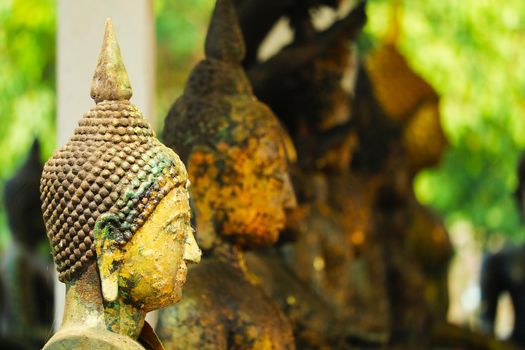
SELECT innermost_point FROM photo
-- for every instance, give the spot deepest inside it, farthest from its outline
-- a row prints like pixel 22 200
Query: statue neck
pixel 85 307
pixel 214 242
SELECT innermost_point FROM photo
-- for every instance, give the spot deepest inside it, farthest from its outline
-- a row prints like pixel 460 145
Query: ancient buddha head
pixel 116 198
pixel 233 145
pixel 22 203
pixel 407 99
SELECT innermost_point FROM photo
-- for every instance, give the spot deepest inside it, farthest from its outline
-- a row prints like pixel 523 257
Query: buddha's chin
pixel 170 294
pixel 260 238
pixel 262 235
pixel 176 296
pixel 166 300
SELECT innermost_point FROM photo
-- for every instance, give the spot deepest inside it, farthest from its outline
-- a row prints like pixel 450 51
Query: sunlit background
pixel 470 51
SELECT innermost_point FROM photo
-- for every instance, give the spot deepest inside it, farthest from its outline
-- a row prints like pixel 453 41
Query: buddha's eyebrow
pixel 173 218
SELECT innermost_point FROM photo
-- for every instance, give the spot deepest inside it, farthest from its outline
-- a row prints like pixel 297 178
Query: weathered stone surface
pixel 112 164
pixel 116 207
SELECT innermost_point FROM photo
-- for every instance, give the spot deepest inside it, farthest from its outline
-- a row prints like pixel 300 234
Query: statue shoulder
pixel 90 338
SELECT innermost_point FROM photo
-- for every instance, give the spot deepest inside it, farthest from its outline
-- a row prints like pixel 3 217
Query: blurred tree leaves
pixel 181 29
pixel 27 78
pixel 471 52
pixel 27 82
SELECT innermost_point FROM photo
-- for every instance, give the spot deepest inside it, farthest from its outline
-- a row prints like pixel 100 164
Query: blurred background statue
pixel 413 238
pixel 236 154
pixel 309 98
pixel 504 272
pixel 357 157
pixel 328 253
pixel 26 269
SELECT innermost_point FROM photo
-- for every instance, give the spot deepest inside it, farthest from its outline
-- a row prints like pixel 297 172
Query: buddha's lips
pixel 280 224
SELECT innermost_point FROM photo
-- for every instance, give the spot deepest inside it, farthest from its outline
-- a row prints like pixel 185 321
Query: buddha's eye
pixel 278 177
pixel 190 231
pixel 170 228
pixel 177 228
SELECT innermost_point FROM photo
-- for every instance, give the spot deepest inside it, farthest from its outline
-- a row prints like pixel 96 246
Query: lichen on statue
pixel 233 145
pixel 116 208
pixel 236 155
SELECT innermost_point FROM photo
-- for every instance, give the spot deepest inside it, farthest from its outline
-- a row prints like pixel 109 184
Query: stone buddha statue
pixel 428 243
pixel 416 244
pixel 335 252
pixel 409 100
pixel 338 254
pixel 116 208
pixel 331 256
pixel 334 255
pixel 293 272
pixel 416 254
pixel 236 155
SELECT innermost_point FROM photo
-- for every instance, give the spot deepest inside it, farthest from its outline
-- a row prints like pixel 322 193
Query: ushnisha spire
pixel 110 81
pixel 224 39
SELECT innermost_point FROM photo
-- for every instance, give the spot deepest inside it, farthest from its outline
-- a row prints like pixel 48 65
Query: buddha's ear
pixel 109 254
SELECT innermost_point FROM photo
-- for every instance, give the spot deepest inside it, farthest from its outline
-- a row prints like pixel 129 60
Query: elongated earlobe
pixel 108 278
pixel 109 255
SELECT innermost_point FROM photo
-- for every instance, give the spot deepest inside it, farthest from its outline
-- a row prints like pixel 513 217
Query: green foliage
pixel 181 29
pixel 27 80
pixel 470 51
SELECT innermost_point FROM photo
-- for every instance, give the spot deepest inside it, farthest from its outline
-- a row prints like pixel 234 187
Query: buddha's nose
pixel 289 194
pixel 192 252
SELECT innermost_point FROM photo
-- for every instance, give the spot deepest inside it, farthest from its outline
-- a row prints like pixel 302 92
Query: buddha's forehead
pixel 173 208
pixel 264 150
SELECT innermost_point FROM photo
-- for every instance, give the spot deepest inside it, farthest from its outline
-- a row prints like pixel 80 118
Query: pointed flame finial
pixel 110 81
pixel 224 40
